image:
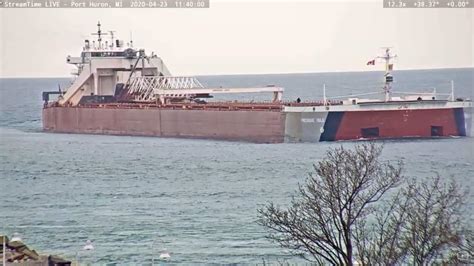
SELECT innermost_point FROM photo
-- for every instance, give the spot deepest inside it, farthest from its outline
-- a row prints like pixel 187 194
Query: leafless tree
pixel 420 225
pixel 344 214
pixel 379 240
pixel 433 224
pixel 340 192
pixel 464 252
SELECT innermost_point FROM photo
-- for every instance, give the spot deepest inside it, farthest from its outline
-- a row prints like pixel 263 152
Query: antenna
pixel 131 39
pixel 99 35
pixel 324 94
pixel 111 32
pixel 452 90
pixel 387 57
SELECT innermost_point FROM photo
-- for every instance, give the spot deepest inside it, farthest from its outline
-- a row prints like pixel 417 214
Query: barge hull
pixel 252 126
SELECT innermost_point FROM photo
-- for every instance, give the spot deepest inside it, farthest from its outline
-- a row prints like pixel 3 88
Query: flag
pixel 390 67
pixel 371 62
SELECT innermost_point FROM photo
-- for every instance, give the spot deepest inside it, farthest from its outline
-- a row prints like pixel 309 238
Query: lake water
pixel 134 196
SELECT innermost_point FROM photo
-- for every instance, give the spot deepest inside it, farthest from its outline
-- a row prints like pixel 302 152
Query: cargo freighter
pixel 120 90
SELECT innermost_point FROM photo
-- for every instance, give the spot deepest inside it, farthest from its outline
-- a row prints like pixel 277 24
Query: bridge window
pixel 107 54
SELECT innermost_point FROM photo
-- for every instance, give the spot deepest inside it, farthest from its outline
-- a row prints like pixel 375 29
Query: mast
pixel 387 57
pixel 99 35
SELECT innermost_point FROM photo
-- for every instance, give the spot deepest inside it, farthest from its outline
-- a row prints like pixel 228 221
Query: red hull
pixel 399 123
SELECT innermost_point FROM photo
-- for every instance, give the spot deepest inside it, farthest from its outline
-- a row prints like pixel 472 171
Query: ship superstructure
pixel 103 65
pixel 121 90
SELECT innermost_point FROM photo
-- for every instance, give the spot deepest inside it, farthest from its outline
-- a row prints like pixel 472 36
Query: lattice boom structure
pixel 143 88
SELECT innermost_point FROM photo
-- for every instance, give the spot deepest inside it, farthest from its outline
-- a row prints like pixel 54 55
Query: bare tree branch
pixel 340 192
pixel 344 214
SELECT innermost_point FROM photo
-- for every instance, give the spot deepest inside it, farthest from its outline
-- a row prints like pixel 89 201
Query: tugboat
pixel 120 90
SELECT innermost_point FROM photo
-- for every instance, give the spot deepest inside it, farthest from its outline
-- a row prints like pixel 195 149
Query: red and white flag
pixel 371 62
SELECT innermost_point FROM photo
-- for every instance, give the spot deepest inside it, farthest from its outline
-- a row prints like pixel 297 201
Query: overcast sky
pixel 244 37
